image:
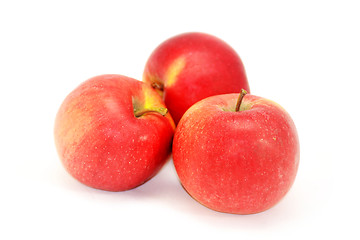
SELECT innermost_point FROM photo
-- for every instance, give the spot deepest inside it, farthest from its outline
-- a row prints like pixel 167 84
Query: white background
pixel 304 55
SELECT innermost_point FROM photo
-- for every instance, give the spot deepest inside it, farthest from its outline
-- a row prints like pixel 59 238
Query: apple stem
pixel 243 92
pixel 157 85
pixel 160 110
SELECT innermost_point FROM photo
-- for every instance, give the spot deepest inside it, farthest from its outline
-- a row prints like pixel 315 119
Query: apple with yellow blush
pixel 192 66
pixel 113 133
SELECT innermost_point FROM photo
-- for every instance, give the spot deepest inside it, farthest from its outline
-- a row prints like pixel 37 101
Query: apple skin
pixel 236 162
pixel 100 141
pixel 192 66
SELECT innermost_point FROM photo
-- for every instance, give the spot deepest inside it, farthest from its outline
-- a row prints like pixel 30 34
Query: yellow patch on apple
pixel 175 68
pixel 74 121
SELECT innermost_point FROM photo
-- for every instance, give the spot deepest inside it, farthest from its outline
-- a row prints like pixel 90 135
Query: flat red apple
pixel 232 161
pixel 192 66
pixel 113 132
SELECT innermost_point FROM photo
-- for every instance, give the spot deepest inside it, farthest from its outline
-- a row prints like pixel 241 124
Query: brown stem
pixel 162 111
pixel 243 92
pixel 157 85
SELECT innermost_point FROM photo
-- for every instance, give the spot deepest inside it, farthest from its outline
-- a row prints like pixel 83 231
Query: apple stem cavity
pixel 160 110
pixel 157 85
pixel 243 92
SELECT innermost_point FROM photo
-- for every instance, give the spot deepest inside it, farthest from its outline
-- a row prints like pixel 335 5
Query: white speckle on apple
pixel 143 138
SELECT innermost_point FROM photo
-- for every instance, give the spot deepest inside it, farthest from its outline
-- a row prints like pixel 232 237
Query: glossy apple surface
pixel 113 132
pixel 240 162
pixel 192 66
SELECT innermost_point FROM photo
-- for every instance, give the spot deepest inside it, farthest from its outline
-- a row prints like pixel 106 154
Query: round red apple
pixel 192 66
pixel 232 161
pixel 113 132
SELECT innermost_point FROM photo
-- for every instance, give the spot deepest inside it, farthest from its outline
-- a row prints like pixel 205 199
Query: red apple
pixel 192 66
pixel 113 132
pixel 232 161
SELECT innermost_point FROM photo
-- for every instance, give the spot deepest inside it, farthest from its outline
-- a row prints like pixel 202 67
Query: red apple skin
pixel 193 66
pixel 100 141
pixel 236 162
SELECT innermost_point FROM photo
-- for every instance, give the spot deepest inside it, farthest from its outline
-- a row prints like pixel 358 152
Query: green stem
pixel 160 110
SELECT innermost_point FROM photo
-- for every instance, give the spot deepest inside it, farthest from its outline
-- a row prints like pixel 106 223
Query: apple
pixel 113 133
pixel 192 66
pixel 236 154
